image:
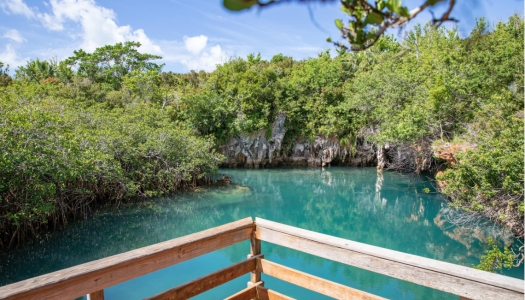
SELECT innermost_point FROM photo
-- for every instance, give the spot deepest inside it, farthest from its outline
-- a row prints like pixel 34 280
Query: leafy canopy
pixel 109 64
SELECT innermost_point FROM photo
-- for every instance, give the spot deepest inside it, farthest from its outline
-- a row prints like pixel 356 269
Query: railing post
pixel 98 295
pixel 255 249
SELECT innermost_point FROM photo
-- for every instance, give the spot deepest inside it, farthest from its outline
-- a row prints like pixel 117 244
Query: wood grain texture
pixel 267 294
pixel 429 278
pixel 314 283
pixel 246 294
pixel 255 249
pixel 97 275
pixel 98 295
pixel 404 258
pixel 207 282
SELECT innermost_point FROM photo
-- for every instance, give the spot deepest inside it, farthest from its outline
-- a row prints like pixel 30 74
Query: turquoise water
pixel 382 209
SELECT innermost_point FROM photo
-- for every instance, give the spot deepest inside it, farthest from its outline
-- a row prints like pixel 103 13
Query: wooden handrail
pixel 259 292
pixel 207 282
pixel 96 275
pixel 455 279
pixel 267 294
pixel 91 278
pixel 245 294
pixel 314 283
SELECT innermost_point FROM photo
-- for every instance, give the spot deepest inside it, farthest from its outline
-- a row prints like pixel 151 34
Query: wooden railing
pixel 92 278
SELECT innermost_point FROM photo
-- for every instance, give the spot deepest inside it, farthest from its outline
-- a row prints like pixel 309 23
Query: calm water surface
pixel 382 209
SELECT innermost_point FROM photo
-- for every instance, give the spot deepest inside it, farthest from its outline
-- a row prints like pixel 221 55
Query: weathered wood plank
pixel 405 258
pixel 246 294
pixel 98 295
pixel 259 292
pixel 207 282
pixel 314 283
pixel 437 280
pixel 255 249
pixel 266 294
pixel 97 275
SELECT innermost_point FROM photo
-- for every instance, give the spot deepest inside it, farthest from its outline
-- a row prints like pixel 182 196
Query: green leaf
pixel 346 10
pixel 329 39
pixel 237 5
pixel 339 24
pixel 380 4
pixel 393 5
pixel 403 12
pixel 374 18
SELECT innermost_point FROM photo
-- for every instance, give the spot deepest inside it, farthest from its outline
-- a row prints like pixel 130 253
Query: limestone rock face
pixel 261 149
pixel 277 137
pixel 365 154
pixel 324 151
pixel 256 150
pixel 320 152
pixel 411 157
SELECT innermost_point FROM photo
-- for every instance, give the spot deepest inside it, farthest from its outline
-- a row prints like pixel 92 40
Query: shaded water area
pixel 382 209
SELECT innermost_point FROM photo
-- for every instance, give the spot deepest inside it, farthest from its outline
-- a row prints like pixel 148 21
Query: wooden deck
pixel 92 278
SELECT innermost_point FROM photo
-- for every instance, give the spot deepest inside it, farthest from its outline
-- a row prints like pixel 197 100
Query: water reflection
pixel 383 209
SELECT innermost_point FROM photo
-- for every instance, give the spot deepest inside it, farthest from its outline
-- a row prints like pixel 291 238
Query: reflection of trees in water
pixel 461 226
pixel 372 211
pixel 381 212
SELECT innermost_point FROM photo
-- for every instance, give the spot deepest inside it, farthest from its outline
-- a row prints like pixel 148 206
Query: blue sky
pixel 196 34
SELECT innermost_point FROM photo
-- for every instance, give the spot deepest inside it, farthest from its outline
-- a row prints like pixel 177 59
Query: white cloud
pixel 14 35
pixel 195 44
pixel 98 25
pixel 176 54
pixel 10 57
pixel 206 61
pixel 51 22
pixel 93 26
pixel 17 7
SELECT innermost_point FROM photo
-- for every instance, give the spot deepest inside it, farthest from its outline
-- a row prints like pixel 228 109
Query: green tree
pixel 37 70
pixel 109 64
pixel 5 79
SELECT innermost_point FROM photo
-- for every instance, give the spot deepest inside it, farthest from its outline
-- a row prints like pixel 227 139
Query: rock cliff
pixel 262 149
pixel 256 150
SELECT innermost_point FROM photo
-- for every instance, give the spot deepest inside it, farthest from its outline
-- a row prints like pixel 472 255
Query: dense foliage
pixel 103 126
pixel 66 146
